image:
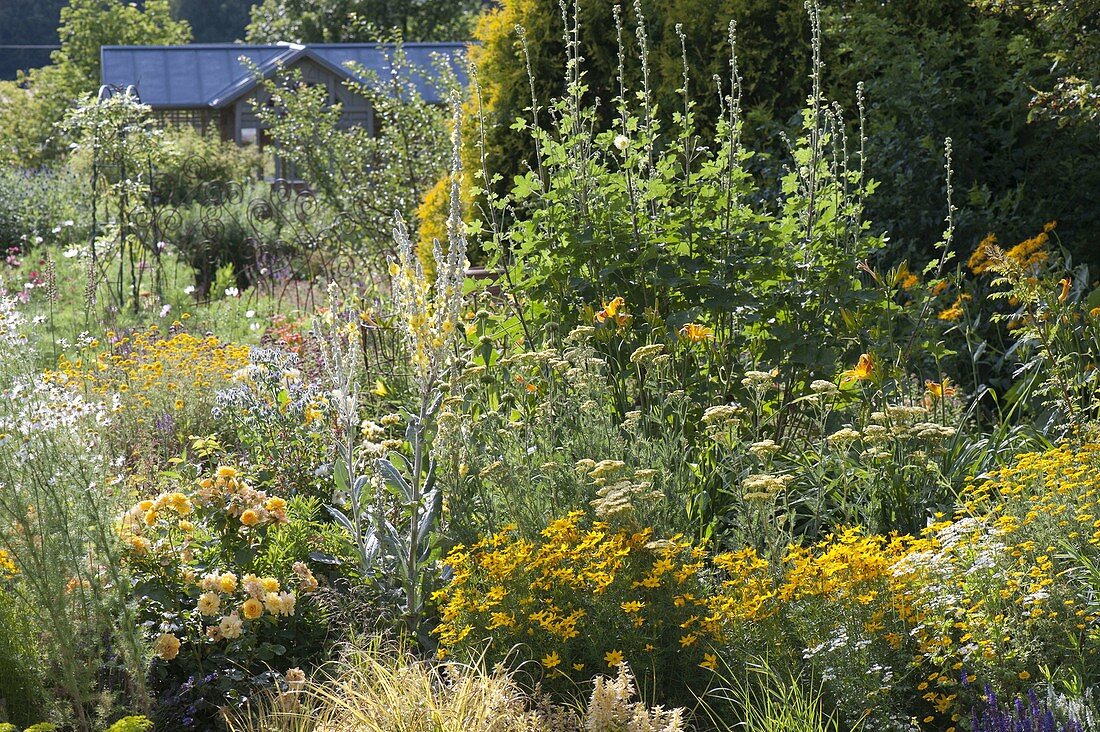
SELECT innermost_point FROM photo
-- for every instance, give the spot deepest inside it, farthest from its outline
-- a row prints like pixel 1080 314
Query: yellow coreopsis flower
pixel 551 660
pixel 613 658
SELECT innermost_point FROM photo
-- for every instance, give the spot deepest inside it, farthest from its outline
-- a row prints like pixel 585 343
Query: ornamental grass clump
pixel 58 502
pixel 612 708
pixel 383 687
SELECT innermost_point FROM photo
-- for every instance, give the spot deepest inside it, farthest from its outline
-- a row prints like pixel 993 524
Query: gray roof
pixel 215 75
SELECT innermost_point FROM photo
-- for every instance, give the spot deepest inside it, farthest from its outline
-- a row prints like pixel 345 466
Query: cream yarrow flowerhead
pixel 760 380
pixel 722 414
pixel 646 354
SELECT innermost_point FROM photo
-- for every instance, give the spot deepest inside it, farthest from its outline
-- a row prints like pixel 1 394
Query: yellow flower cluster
pixel 7 564
pixel 147 369
pixel 574 588
pixel 1028 254
pixel 175 539
pixel 955 311
pixel 226 491
pixel 250 598
pixel 1007 558
pixel 985 596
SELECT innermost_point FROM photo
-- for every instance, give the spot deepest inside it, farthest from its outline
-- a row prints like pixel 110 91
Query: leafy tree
pixel 363 178
pixel 348 21
pixel 1067 30
pixel 30 106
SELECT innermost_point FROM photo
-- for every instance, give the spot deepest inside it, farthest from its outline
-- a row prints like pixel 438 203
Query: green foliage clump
pixel 40 205
pixel 20 686
pixel 195 164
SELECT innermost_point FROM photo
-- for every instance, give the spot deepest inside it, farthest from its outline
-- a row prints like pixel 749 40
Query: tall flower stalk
pixel 398 552
pixel 428 314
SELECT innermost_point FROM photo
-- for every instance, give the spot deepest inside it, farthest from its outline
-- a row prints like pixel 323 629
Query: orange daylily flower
pixel 862 371
pixel 696 333
pixel 614 311
pixel 941 389
pixel 1064 294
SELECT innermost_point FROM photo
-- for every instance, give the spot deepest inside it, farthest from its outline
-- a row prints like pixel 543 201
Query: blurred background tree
pixel 214 21
pixel 350 21
pixel 944 68
pixel 1069 33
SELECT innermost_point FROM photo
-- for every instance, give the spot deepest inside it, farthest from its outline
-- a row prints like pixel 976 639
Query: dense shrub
pixel 200 167
pixel 773 48
pixel 40 206
pixel 943 69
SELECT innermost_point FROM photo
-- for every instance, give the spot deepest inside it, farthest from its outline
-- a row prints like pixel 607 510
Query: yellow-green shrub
pixel 432 215
pixel 20 686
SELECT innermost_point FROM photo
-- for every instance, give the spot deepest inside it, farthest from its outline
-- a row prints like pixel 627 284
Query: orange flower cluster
pixel 1028 254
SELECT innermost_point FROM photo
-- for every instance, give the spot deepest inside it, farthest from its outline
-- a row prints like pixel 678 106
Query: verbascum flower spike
pixel 429 315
